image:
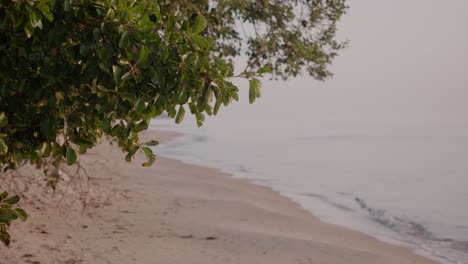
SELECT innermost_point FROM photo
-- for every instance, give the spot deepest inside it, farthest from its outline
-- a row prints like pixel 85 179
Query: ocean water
pixel 404 189
pixel 382 147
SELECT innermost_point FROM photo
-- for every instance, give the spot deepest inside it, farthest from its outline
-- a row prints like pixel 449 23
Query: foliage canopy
pixel 72 71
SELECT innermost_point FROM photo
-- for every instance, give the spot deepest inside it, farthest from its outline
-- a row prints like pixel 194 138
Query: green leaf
pixel 264 69
pixel 150 157
pixel 157 13
pixel 45 10
pixel 47 150
pixel 258 88
pixel 28 30
pixel 209 95
pixel 71 156
pixel 199 25
pixel 152 143
pixel 200 118
pixel 140 105
pixel 180 115
pixel 82 149
pixel 35 18
pixel 21 214
pixel 234 95
pixel 106 125
pixel 124 39
pixel 140 126
pixel 3 147
pixel 6 215
pixel 3 195
pixel 129 96
pixel 80 141
pixel 104 67
pixel 171 111
pixel 170 24
pixel 126 76
pixel 117 73
pixel 142 56
pixel 5 238
pixel 3 119
pixel 255 89
pixel 201 41
pixel 208 109
pixel 12 200
pixel 131 153
pixel 218 104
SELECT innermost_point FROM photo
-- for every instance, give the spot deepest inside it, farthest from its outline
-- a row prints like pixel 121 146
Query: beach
pixel 175 213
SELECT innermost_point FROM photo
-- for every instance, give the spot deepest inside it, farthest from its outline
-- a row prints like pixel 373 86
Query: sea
pixel 381 147
pixel 399 186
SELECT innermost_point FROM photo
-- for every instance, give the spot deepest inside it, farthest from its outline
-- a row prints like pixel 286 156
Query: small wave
pixel 395 223
pixel 328 201
pixel 243 169
pixel 448 249
pixel 344 193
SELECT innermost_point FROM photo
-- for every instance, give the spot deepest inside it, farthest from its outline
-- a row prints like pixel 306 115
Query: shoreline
pixel 421 250
pixel 176 212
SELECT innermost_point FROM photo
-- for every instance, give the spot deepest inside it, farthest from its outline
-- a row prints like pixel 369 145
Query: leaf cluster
pixel 73 71
pixel 287 36
pixel 9 213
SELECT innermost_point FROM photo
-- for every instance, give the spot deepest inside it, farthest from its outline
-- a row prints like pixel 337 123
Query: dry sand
pixel 177 213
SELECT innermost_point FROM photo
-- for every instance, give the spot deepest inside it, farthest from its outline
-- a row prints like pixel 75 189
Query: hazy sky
pixel 406 67
pixel 407 61
pixel 405 72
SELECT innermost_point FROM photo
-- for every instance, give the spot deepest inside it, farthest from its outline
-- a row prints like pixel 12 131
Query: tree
pixel 72 71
